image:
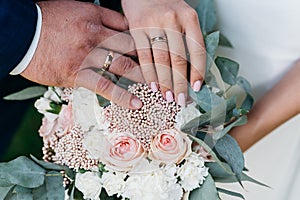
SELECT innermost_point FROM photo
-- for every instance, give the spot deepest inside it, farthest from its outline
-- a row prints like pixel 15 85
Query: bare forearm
pixel 281 103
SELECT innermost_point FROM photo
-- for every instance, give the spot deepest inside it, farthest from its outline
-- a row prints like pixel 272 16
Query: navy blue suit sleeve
pixel 18 20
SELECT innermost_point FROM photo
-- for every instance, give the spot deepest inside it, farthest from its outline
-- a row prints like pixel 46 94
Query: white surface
pixel 265 35
pixel 29 55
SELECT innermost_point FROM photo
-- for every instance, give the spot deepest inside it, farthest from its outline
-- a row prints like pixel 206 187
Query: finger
pixel 104 87
pixel 179 64
pixel 145 57
pixel 160 51
pixel 196 49
pixel 113 19
pixel 121 65
pixel 117 41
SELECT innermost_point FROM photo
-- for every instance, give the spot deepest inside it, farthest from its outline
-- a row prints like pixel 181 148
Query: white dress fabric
pixel 266 39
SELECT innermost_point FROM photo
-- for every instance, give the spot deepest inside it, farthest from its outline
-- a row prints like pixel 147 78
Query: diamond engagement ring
pixel 158 39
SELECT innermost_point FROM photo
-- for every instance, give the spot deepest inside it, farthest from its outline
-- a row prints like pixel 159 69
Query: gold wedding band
pixel 108 60
pixel 158 39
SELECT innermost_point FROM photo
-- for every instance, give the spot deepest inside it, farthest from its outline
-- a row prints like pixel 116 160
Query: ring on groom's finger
pixel 156 39
pixel 108 60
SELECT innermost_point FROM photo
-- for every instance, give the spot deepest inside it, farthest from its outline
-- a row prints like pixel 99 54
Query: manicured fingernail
pixel 169 96
pixel 136 103
pixel 153 87
pixel 181 99
pixel 197 86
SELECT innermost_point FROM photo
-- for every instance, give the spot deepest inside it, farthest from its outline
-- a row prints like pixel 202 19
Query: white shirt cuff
pixel 29 55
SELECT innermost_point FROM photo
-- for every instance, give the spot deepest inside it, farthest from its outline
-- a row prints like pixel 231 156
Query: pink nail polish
pixel 136 103
pixel 197 86
pixel 153 87
pixel 169 96
pixel 181 99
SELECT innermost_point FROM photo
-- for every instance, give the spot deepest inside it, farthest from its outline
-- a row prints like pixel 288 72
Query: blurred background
pixel 19 122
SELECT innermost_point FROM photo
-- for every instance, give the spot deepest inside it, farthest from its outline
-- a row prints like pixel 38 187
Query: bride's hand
pixel 75 38
pixel 165 31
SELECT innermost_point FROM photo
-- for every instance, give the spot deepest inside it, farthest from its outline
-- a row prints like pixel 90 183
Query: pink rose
pixel 47 128
pixel 121 151
pixel 170 146
pixel 65 117
pixel 52 123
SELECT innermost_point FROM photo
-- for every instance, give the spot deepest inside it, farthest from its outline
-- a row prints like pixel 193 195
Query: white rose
pixel 43 105
pixel 152 186
pixel 87 111
pixel 89 184
pixel 186 114
pixel 192 173
pixel 92 143
pixel 113 183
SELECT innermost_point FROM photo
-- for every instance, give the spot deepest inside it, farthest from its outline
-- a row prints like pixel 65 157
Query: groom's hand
pixel 75 37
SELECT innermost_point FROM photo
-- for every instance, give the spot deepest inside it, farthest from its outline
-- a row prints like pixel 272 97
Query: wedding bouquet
pixel 94 149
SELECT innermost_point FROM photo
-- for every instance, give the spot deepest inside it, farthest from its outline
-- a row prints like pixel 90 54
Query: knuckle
pixel 126 64
pixel 144 56
pixel 89 26
pixel 192 15
pixel 103 85
pixel 171 15
pixel 162 57
pixel 198 52
pixel 178 60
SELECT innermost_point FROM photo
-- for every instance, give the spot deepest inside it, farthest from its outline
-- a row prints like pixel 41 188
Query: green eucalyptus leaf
pixel 247 103
pixel 228 68
pixel 230 151
pixel 52 188
pixel 240 121
pixel 193 3
pixel 211 43
pixel 70 174
pixel 102 101
pixel 4 191
pixel 206 99
pixel 207 15
pixel 231 193
pixel 207 190
pixel 28 93
pixel 210 78
pixel 196 122
pixel 219 171
pixel 22 193
pixel 22 171
pixel 97 2
pixel 244 84
pixel 210 151
pixel 214 117
pixel 224 41
pixel 5 183
pixel 48 165
pixel 233 179
pixel 125 82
